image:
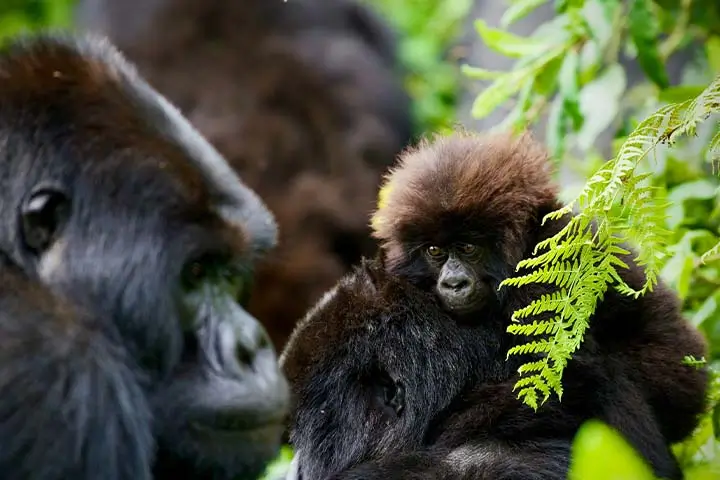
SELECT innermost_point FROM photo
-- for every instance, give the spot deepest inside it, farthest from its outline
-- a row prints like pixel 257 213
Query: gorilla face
pixel 370 367
pixel 120 207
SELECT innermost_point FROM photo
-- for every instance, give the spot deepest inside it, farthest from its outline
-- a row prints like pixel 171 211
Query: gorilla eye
pixel 468 248
pixel 194 274
pixel 434 251
pixel 221 272
pixel 41 217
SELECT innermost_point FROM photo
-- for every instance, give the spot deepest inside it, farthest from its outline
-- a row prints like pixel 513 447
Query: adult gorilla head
pixel 114 204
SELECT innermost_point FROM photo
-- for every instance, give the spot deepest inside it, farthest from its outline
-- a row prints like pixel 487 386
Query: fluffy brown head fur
pixel 497 183
pixel 302 99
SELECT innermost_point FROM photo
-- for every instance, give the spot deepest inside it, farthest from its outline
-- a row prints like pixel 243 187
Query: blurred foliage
pixel 660 190
pixel 600 453
pixel 426 31
pixel 18 16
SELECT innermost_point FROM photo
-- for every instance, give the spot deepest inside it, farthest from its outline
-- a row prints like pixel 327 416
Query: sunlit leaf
pixel 478 73
pixel 510 83
pixel 600 453
pixel 599 103
pixel 712 48
pixel 519 9
pixel 279 466
pixel 509 44
pixel 562 5
pixel 708 310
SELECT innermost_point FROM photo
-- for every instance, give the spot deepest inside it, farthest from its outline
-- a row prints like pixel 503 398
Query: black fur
pixel 122 330
pixel 491 191
pixel 456 420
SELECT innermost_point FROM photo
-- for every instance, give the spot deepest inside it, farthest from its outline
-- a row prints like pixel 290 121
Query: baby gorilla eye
pixel 434 251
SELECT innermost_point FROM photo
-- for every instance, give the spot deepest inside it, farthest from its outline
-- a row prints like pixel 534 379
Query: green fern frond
pixel 540 346
pixel 531 367
pixel 714 150
pixel 550 302
pixel 584 258
pixel 536 328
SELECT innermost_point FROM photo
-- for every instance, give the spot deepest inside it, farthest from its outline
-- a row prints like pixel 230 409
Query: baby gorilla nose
pixel 459 285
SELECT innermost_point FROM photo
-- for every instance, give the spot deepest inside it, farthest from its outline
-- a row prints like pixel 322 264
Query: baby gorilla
pixel 387 385
pixel 458 214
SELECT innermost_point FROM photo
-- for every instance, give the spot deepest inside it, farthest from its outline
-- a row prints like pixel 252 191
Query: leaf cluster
pixel 427 30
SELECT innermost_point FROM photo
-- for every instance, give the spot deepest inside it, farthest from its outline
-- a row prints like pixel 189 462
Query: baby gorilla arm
pixel 71 406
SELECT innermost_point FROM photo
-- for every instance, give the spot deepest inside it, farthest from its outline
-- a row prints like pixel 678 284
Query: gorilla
pixel 386 384
pixel 127 247
pixel 303 98
pixel 461 211
pixel 404 363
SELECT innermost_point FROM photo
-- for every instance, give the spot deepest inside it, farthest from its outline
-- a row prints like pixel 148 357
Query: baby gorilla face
pixel 370 367
pixel 463 284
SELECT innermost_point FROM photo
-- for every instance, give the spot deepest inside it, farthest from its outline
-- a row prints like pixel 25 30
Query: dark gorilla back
pixel 301 97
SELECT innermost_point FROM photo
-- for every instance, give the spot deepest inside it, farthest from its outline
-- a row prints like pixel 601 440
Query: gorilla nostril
pixel 243 355
pixel 457 285
pixel 191 348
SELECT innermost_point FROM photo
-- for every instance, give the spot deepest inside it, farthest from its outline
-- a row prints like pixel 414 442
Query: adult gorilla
pixel 303 100
pixel 126 246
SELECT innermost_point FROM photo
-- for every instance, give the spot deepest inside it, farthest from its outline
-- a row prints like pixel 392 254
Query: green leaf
pixel 477 73
pixel 703 188
pixel 518 10
pixel 279 466
pixel 716 421
pixel 569 88
pixel 708 310
pixel 563 5
pixel 509 84
pixel 680 93
pixel 556 128
pixel 600 453
pixel 644 31
pixel 599 104
pixel 712 48
pixel 547 79
pixel 509 44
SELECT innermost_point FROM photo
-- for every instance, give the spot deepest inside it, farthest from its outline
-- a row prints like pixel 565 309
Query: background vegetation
pixel 659 191
pixel 654 184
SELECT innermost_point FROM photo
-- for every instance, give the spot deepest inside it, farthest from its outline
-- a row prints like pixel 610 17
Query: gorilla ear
pixel 41 215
